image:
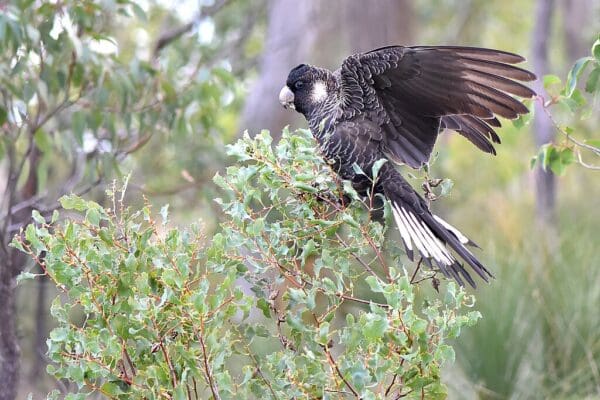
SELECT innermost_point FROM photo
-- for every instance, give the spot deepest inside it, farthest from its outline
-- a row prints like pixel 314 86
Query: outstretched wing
pixel 414 92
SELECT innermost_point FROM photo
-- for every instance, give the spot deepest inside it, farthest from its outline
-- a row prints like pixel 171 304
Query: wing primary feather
pixel 493 122
pixel 439 105
pixel 499 82
pixel 494 105
pixel 478 53
pixel 496 68
pixel 483 127
pixel 500 97
pixel 477 137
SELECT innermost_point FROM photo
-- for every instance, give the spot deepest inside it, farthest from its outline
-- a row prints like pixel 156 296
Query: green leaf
pixel 569 104
pixel 59 334
pixel 16 243
pixel 139 12
pixel 32 237
pixel 164 213
pixel 23 276
pixel 304 187
pixel 78 74
pixel 28 91
pixel 55 215
pixel 180 393
pixel 308 250
pixel 596 50
pixel 377 166
pixel 42 140
pixel 3 116
pixel 256 227
pixel 111 389
pixel 574 75
pixel 73 202
pixel 534 160
pixel 550 80
pixel 263 305
pixel 105 236
pixel 566 157
pixel 358 170
pixel 593 83
pixel 525 119
pixel 374 326
pixel 446 186
pixel 446 353
pixel 578 98
pixel 555 158
pixel 37 217
pixel 350 191
pixel 78 125
pixel 374 284
pixel 77 373
pixel 92 215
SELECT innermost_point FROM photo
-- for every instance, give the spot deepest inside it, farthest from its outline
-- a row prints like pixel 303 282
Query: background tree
pixel 545 182
pixel 317 33
pixel 74 106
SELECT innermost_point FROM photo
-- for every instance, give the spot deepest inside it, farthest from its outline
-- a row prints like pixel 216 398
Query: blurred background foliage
pixel 92 90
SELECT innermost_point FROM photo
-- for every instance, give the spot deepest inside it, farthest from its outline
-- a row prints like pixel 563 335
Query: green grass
pixel 540 332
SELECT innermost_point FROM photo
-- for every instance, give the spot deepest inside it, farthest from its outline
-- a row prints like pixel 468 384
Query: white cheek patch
pixel 319 92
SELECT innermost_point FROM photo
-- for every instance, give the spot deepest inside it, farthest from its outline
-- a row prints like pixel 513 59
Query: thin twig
pixel 258 370
pixel 586 165
pixel 356 257
pixel 334 365
pixel 377 253
pixel 362 301
pixel 412 278
pixel 47 212
pixel 168 360
pixel 569 137
pixel 389 388
pixel 209 377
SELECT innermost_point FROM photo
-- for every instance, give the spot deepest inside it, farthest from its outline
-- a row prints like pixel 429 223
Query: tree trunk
pixel 577 16
pixel 11 264
pixel 545 181
pixel 286 21
pixel 321 33
pixel 9 342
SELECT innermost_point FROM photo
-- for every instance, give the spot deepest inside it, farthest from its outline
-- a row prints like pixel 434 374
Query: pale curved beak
pixel 286 98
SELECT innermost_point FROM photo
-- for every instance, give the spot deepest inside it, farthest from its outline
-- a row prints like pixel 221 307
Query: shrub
pixel 294 297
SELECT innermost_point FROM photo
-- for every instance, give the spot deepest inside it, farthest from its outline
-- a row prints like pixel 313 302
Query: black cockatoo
pixel 391 103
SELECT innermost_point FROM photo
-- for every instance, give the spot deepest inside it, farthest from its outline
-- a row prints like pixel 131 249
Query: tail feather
pixel 434 238
pixel 459 235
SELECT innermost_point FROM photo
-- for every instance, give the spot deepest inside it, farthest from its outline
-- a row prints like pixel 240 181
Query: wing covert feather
pixel 414 92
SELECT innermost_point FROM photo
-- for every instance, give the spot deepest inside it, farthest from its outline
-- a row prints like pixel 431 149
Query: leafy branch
pixel 557 156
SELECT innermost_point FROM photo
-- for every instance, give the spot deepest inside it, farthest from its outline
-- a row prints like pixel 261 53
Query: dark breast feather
pixel 352 141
